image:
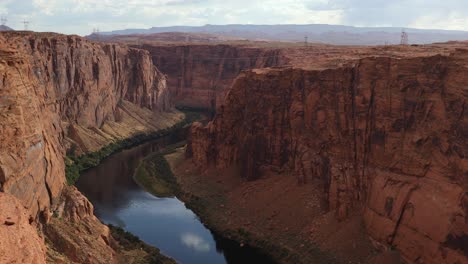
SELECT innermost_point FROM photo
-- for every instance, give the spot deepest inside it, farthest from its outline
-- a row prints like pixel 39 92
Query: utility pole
pixel 4 20
pixel 26 24
pixel 306 43
pixel 404 38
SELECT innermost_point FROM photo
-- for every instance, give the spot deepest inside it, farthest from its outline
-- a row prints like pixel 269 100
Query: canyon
pixel 63 94
pixel 383 137
pixel 370 141
pixel 199 75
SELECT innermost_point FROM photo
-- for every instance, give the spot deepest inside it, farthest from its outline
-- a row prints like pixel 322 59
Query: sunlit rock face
pixel 387 136
pixel 19 241
pixel 60 91
pixel 63 93
pixel 75 232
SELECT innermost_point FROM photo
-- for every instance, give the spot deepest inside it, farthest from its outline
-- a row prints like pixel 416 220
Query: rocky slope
pixel 63 93
pixel 20 242
pixel 199 75
pixel 385 136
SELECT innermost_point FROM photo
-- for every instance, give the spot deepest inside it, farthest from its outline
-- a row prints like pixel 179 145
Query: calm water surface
pixel 162 222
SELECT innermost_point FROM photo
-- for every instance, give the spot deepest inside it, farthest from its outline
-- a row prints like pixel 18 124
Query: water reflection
pixel 162 222
pixel 195 242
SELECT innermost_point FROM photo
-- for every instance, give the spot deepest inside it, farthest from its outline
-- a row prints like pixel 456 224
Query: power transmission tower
pixel 404 38
pixel 4 20
pixel 26 24
pixel 96 32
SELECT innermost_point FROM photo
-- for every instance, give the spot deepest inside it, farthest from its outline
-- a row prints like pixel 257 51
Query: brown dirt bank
pixel 274 214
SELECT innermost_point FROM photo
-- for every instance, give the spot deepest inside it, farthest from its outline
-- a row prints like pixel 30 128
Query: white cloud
pixel 452 21
pixel 195 242
pixel 80 16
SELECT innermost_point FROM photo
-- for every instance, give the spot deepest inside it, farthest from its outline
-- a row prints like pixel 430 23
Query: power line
pixel 26 24
pixel 96 32
pixel 404 38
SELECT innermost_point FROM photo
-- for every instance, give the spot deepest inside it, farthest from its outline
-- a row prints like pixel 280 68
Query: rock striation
pixel 62 94
pixel 19 241
pixel 386 136
pixel 74 228
pixel 199 75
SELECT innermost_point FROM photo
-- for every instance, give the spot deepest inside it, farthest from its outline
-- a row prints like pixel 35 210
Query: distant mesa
pixel 5 28
pixel 332 34
pixel 162 37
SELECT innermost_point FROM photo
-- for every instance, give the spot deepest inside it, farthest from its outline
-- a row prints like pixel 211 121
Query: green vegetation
pixel 154 173
pixel 131 242
pixel 74 165
pixel 155 176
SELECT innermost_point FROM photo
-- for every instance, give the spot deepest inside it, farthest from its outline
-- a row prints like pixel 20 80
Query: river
pixel 165 223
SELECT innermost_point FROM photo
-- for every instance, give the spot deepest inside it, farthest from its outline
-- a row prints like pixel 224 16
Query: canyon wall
pixel 199 75
pixel 20 242
pixel 387 136
pixel 63 93
pixel 54 87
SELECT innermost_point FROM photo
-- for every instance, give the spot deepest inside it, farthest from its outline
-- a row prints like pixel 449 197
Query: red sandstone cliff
pixel 19 241
pixel 386 136
pixel 58 92
pixel 197 74
pixel 55 84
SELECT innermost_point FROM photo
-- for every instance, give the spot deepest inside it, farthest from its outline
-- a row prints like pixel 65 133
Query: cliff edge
pixel 385 137
pixel 62 94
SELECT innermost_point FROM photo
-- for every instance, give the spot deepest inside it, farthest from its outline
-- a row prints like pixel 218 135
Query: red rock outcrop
pixel 59 92
pixel 19 241
pixel 54 85
pixel 199 75
pixel 386 135
pixel 74 228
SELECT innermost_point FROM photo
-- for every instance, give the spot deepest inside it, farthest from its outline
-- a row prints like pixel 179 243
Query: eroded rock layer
pixel 199 75
pixel 387 136
pixel 74 228
pixel 19 241
pixel 63 93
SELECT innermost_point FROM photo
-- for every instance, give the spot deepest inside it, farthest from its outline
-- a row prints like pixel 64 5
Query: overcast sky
pixel 81 16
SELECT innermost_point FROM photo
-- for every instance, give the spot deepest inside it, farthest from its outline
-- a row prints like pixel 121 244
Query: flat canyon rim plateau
pixel 325 153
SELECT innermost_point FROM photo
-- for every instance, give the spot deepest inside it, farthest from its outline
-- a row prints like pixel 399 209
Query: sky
pixel 82 16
